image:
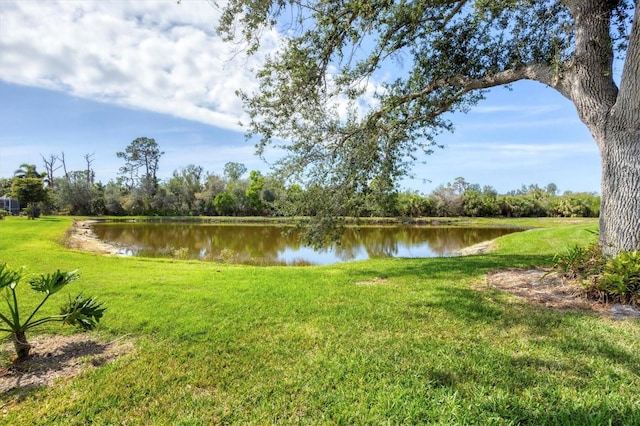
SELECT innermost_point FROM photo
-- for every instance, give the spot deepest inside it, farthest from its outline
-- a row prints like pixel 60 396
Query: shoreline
pixel 81 237
pixel 483 247
pixel 530 284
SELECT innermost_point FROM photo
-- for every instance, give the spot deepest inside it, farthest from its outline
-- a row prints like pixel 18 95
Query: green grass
pixel 261 345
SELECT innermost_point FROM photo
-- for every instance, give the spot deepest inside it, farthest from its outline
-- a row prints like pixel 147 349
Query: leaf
pixel 82 312
pixel 52 283
pixel 9 277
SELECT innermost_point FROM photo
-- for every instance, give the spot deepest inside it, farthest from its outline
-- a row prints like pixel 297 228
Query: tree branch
pixel 534 71
pixel 454 12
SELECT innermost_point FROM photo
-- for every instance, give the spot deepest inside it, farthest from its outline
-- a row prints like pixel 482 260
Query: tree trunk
pixel 620 206
pixel 21 345
pixel 612 114
pixel 31 211
pixel 620 154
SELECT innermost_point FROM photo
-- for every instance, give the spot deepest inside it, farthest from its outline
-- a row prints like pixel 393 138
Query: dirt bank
pixel 480 248
pixel 59 357
pixel 82 237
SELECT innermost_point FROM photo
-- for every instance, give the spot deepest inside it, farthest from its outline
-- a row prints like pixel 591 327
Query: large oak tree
pixel 317 99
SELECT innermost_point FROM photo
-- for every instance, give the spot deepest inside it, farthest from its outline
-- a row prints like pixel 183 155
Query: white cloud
pixel 165 57
pixel 154 55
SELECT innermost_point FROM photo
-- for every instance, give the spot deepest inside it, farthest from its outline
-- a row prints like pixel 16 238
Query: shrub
pixel 614 279
pixel 227 255
pixel 80 312
pixel 181 253
pixel 580 262
pixel 620 279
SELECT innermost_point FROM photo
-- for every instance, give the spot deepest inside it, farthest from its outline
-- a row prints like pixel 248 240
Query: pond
pixel 267 244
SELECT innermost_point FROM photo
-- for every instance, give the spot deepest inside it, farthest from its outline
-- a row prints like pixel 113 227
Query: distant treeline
pixel 191 191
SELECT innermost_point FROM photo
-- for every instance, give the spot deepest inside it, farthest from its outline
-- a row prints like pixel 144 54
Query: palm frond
pixel 52 283
pixel 82 312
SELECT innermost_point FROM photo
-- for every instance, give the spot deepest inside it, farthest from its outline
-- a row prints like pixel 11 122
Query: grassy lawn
pixel 392 341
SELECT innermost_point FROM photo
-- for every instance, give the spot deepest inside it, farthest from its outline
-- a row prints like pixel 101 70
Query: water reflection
pixel 269 244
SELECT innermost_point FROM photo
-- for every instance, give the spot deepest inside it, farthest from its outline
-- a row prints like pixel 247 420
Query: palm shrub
pixel 580 262
pixel 620 279
pixel 615 279
pixel 81 312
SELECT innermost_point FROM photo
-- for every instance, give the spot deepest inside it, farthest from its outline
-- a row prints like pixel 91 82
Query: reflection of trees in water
pixel 377 242
pixel 200 240
pixel 387 241
pixel 246 241
pixel 444 241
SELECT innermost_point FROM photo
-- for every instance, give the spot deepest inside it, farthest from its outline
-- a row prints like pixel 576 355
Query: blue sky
pixel 89 77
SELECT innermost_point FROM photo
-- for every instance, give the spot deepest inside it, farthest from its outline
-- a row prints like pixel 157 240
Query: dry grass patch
pixel 58 357
pixel 373 281
pixel 550 290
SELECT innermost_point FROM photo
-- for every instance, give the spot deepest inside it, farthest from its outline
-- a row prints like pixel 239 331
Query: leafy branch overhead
pixel 359 89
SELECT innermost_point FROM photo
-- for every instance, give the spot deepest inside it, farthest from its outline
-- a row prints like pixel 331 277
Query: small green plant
pixel 580 262
pixel 614 279
pixel 81 312
pixel 620 280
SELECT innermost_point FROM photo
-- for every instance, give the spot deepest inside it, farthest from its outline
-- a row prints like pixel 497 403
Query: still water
pixel 274 244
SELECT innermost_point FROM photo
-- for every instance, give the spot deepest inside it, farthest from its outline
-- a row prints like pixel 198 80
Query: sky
pixel 88 77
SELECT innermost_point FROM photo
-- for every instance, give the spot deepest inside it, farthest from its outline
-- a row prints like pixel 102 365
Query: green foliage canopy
pixel 29 191
pixel 141 154
pixel 360 88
